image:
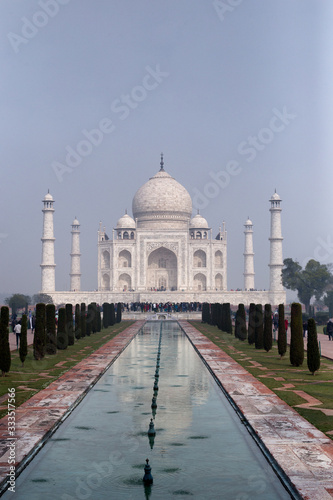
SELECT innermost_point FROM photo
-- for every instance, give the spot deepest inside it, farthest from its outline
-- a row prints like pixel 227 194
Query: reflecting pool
pixel 201 449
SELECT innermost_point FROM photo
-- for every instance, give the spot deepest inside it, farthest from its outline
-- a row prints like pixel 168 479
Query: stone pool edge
pixel 41 415
pixel 302 452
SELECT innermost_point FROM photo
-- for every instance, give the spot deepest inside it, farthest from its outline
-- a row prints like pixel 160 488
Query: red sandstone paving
pixel 303 452
pixel 39 414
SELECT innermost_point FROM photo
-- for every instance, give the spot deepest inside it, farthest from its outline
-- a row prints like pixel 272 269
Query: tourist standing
pixel 17 331
pixel 329 329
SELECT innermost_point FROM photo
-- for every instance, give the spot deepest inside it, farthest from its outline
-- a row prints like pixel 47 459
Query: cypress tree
pixel 94 317
pixel 296 335
pixel 5 357
pixel 222 320
pixel 105 315
pixel 313 355
pixel 99 321
pixel 69 324
pixel 213 309
pixel 89 320
pixel 77 322
pixel 217 314
pixel 112 314
pixel 282 334
pixel 228 323
pixel 268 338
pixel 23 350
pixel 83 320
pixel 242 332
pixel 119 312
pixel 251 324
pixel 237 324
pixel 51 338
pixel 40 336
pixel 62 338
pixel 259 328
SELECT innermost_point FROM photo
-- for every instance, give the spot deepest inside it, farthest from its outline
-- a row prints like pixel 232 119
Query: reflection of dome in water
pixel 182 383
pixel 162 202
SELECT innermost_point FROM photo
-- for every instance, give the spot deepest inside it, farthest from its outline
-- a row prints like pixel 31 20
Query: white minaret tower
pixel 75 273
pixel 248 256
pixel 276 260
pixel 48 239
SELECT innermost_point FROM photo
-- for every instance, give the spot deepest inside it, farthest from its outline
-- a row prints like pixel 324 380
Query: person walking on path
pixel 329 329
pixel 305 327
pixel 17 331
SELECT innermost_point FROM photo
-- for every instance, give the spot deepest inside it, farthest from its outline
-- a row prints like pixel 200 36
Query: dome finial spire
pixel 161 163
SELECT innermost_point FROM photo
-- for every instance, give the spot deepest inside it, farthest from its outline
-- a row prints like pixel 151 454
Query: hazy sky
pixel 235 90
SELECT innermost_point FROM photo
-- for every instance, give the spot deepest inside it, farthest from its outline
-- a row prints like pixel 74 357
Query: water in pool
pixel 201 449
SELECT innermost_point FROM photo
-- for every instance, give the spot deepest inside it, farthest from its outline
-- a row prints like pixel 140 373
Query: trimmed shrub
pixel 268 339
pixel 94 320
pixel 105 315
pixel 39 344
pixel 313 355
pixel 77 328
pixel 219 316
pixel 62 338
pixel 51 338
pixel 251 325
pixel 282 334
pixel 214 314
pixel 5 356
pixel 99 319
pixel 242 332
pixel 227 318
pixel 69 324
pixel 112 314
pixel 259 328
pixel 83 320
pixel 118 320
pixel 296 335
pixel 23 350
pixel 237 324
pixel 89 320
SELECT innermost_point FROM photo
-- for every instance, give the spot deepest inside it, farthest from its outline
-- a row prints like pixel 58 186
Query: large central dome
pixel 162 203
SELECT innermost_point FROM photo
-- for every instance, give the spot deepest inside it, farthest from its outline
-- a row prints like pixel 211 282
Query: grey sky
pixel 221 78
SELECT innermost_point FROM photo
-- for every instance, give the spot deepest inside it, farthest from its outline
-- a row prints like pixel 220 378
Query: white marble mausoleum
pixel 163 253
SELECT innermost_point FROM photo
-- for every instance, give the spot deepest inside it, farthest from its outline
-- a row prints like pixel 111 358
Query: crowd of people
pixel 162 307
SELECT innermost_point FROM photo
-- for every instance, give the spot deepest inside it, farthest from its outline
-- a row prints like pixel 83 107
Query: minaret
pixel 75 273
pixel 276 260
pixel 248 256
pixel 48 265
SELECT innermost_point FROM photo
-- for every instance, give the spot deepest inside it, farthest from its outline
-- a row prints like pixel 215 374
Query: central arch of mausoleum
pixel 162 270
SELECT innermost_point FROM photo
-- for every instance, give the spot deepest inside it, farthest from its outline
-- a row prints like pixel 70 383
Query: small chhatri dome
pixel 75 222
pixel 248 222
pixel 125 222
pixel 162 203
pixel 48 197
pixel 198 222
pixel 275 197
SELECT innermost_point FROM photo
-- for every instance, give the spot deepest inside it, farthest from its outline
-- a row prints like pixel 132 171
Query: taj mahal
pixel 163 253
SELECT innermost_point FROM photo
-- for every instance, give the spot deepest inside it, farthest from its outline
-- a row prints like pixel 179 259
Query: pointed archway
pixel 162 270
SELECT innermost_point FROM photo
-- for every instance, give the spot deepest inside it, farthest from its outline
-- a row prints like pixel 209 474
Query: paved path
pixel 303 452
pixel 41 414
pixel 12 340
pixel 326 345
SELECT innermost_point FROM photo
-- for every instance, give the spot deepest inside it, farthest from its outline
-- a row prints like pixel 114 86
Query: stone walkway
pixel 303 452
pixel 39 416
